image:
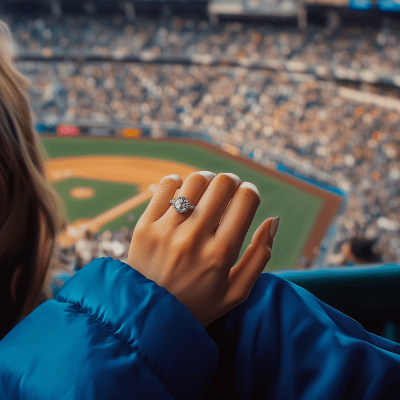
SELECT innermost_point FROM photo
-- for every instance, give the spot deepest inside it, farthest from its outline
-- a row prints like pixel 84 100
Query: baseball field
pixel 107 183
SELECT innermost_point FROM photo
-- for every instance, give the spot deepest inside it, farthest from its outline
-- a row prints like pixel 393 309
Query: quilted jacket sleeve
pixel 110 334
pixel 284 343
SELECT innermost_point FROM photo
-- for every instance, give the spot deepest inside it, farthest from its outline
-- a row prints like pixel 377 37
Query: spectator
pixel 85 248
pixel 360 251
pixel 356 251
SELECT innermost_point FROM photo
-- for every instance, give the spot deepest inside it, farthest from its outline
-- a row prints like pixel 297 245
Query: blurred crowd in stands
pixel 291 115
pixel 87 248
pixel 357 49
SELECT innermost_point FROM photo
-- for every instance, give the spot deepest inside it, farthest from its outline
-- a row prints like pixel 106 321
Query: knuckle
pixel 179 246
pixel 214 261
pixel 217 258
pixel 195 232
pixel 140 226
pixel 218 262
pixel 183 240
pixel 141 231
pixel 227 250
pixel 265 253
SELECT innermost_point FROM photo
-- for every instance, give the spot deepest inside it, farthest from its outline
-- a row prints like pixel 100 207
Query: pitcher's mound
pixel 82 192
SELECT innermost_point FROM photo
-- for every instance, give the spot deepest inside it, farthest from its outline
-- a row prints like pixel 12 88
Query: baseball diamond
pixel 123 173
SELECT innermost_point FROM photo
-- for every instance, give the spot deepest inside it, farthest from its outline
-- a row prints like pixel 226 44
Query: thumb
pixel 245 273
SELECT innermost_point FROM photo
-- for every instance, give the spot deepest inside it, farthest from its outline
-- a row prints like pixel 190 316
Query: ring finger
pixel 192 189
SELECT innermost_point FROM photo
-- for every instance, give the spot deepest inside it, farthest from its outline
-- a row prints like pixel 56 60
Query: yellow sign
pixel 132 133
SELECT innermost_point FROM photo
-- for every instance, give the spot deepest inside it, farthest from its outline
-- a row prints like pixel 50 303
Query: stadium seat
pixel 360 5
pixel 368 294
pixel 389 5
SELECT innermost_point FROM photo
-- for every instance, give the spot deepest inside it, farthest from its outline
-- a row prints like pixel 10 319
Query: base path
pixel 144 172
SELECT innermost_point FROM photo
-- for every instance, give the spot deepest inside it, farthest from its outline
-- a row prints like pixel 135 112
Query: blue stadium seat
pixel 368 294
pixel 389 5
pixel 44 128
pixel 360 5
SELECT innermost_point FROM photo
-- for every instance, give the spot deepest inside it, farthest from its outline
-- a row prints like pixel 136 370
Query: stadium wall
pixel 330 235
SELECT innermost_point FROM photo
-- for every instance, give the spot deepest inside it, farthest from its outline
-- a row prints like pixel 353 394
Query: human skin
pixel 192 254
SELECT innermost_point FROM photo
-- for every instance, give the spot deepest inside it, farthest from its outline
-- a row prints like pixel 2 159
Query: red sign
pixel 65 130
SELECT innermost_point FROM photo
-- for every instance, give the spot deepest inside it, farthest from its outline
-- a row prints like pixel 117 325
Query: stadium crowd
pixel 349 50
pixel 295 116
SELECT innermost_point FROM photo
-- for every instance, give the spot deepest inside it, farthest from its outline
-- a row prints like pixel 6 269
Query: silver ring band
pixel 181 204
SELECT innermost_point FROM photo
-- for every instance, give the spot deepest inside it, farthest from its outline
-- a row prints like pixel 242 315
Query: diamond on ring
pixel 181 204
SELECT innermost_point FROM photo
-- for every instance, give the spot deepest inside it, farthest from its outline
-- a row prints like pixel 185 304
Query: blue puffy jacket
pixel 113 334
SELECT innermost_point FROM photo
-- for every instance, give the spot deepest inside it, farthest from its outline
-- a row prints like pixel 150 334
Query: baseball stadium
pixel 300 98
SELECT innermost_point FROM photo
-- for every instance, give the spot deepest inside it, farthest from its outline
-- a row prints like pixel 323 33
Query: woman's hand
pixel 192 254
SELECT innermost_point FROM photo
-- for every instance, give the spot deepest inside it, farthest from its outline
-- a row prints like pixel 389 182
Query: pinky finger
pixel 245 273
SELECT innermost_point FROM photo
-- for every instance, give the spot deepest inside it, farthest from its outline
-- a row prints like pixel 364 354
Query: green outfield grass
pixel 298 210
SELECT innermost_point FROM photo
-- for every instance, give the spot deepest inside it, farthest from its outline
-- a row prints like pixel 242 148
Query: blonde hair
pixel 31 212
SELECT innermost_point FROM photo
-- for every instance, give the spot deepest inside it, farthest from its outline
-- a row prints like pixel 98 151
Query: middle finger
pixel 213 203
pixel 238 217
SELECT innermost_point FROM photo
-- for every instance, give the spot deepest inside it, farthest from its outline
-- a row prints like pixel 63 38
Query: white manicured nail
pixel 250 186
pixel 207 174
pixel 174 176
pixel 235 177
pixel 274 227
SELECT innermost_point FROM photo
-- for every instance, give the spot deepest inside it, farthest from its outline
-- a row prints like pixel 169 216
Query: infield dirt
pixel 145 173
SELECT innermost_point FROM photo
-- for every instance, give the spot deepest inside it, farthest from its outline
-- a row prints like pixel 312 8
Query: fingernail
pixel 250 186
pixel 174 176
pixel 207 174
pixel 235 177
pixel 274 227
